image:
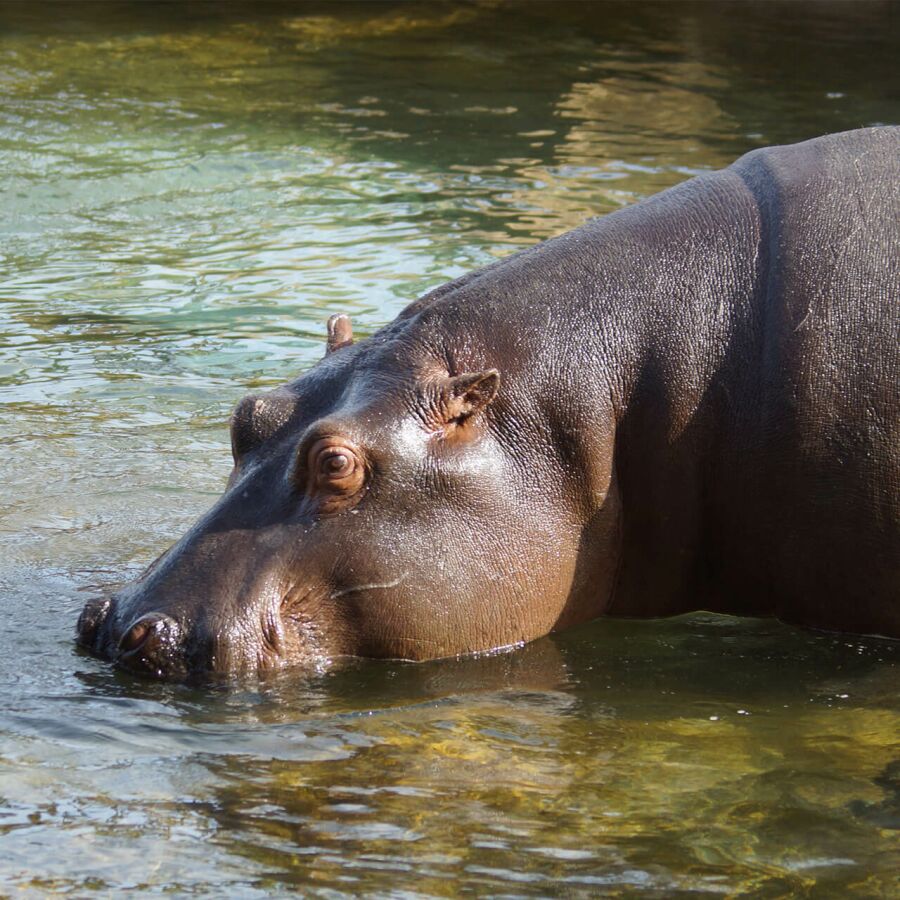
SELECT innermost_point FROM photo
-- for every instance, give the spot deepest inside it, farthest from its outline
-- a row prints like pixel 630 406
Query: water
pixel 188 193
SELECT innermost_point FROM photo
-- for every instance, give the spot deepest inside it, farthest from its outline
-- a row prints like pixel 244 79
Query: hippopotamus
pixel 688 404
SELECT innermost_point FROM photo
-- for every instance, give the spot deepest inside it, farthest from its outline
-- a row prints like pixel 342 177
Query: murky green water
pixel 188 192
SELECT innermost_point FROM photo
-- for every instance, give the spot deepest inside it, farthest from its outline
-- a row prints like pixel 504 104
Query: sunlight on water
pixel 189 191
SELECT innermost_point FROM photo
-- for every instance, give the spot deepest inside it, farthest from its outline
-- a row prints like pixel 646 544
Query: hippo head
pixel 377 508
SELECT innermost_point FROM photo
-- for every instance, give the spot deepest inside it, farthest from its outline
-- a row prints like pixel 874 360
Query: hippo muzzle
pixel 158 645
pixel 195 610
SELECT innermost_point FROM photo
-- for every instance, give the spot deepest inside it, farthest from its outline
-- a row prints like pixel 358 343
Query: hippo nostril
pixel 151 645
pixel 92 617
pixel 135 636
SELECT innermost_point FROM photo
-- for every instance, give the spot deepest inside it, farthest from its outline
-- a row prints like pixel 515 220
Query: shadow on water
pixel 640 661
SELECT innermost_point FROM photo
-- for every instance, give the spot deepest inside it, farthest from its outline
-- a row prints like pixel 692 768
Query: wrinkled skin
pixel 689 404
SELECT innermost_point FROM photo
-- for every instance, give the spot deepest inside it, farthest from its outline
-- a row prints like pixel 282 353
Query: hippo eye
pixel 335 466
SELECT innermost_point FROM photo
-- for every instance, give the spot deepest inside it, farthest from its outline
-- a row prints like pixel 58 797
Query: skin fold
pixel 691 403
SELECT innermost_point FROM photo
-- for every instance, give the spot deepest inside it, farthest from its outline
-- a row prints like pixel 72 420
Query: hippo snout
pixel 159 637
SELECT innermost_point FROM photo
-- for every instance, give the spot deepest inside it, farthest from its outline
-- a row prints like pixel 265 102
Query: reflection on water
pixel 188 193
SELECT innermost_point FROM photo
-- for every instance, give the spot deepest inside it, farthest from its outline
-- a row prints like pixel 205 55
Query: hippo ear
pixel 465 395
pixel 340 332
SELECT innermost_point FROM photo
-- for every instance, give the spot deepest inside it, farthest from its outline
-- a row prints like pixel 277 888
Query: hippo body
pixel 691 403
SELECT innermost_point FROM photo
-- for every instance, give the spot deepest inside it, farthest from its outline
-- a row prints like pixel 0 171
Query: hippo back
pixel 821 445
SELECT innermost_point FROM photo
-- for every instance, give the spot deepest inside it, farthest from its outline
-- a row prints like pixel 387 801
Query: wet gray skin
pixel 688 404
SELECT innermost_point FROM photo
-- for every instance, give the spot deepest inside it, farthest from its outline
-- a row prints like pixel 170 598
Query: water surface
pixel 189 191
